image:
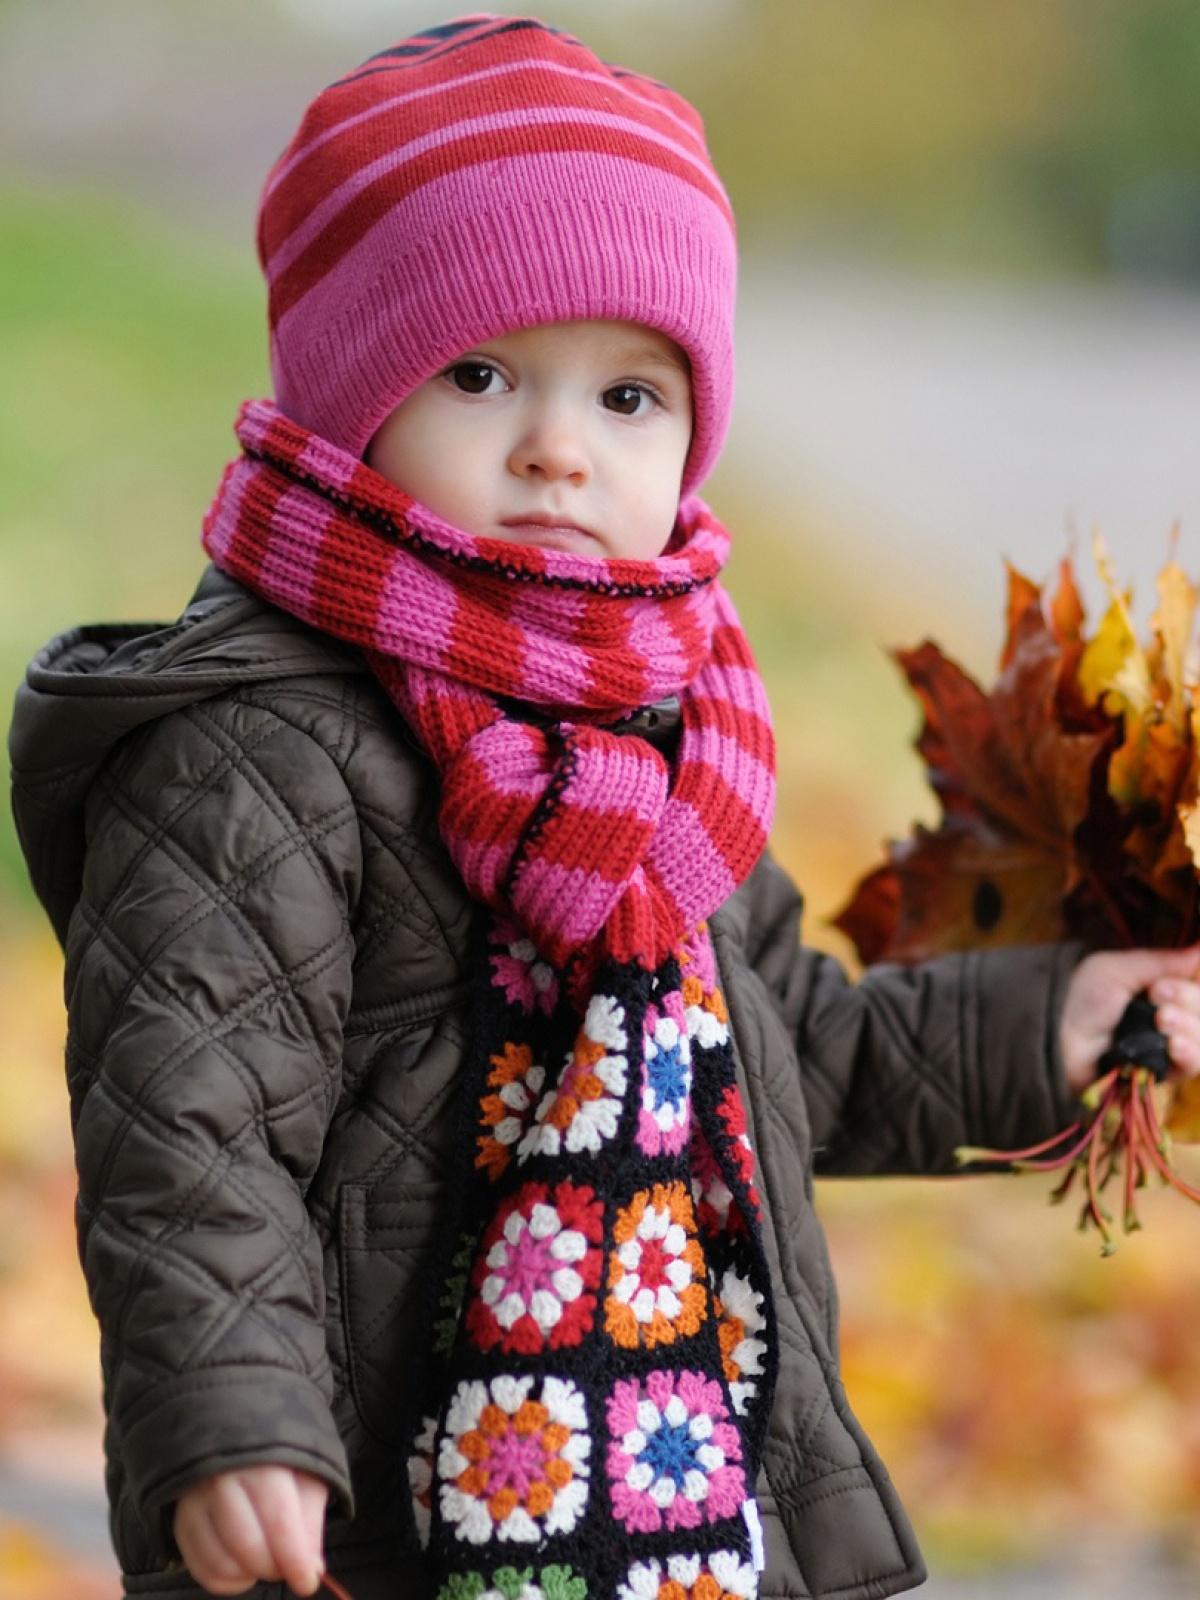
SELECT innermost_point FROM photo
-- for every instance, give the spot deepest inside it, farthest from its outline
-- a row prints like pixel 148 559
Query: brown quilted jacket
pixel 235 838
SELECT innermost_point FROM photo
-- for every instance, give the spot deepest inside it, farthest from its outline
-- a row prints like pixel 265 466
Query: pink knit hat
pixel 481 177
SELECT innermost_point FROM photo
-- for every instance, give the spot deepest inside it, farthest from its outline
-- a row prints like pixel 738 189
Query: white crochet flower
pixel 645 1579
pixel 493 1482
pixel 582 1110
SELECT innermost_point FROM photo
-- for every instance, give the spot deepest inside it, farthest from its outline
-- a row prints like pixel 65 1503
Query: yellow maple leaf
pixel 1171 627
pixel 1113 668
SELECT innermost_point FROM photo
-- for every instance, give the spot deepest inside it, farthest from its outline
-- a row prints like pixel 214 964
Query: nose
pixel 551 445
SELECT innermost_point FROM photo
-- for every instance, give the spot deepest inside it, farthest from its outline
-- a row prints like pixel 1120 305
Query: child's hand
pixel 258 1522
pixel 1103 984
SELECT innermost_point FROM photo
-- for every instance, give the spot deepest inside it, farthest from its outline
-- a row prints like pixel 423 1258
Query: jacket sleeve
pixel 909 1062
pixel 208 978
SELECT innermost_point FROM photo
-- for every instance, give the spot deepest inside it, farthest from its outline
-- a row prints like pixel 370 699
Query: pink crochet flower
pixel 537 1270
pixel 674 1457
pixel 526 979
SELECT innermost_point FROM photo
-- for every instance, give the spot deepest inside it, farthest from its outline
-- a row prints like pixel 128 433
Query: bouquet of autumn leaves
pixel 1070 798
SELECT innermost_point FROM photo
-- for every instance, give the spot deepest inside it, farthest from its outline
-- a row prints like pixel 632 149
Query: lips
pixel 538 523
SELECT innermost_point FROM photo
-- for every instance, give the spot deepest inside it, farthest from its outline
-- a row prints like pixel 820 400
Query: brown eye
pixel 471 377
pixel 625 398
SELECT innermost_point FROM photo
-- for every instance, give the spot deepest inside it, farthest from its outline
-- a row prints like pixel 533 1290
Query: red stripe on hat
pixel 525 87
pixel 370 205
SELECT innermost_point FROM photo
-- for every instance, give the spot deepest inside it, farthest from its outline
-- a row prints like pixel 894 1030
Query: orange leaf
pixel 869 917
pixel 1066 608
pixel 1023 594
pixel 1014 787
pixel 964 887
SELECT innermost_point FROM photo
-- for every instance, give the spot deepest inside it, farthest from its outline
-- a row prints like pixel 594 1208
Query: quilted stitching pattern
pixel 909 1062
pixel 267 972
pixel 204 1038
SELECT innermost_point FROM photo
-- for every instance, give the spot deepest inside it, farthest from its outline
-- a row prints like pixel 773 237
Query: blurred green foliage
pixel 127 346
pixel 1005 135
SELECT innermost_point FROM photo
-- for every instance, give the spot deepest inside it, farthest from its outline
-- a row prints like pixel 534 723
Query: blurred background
pixel 969 329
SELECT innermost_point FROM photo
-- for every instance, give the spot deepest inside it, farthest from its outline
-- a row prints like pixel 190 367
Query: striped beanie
pixel 480 177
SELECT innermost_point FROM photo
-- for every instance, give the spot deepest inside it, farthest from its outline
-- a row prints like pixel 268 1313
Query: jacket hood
pixel 89 687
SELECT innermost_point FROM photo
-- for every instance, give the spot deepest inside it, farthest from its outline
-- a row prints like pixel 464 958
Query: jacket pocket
pixel 387 1246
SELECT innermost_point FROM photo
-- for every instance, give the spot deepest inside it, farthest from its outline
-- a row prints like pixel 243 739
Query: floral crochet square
pixel 538 1267
pixel 515 1583
pixel 656 1271
pixel 527 980
pixel 674 1456
pixel 515 1082
pixel 512 1466
pixel 740 1321
pixel 580 1113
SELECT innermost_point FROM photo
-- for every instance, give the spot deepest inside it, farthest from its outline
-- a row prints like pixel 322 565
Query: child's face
pixel 570 436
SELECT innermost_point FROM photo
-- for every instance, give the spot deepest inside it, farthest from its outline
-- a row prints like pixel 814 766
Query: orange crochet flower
pixel 655 1270
pixel 512 1466
pixel 506 1113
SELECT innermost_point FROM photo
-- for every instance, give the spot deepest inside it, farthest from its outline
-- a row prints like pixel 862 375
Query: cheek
pixel 401 446
pixel 414 453
pixel 652 492
pixel 650 512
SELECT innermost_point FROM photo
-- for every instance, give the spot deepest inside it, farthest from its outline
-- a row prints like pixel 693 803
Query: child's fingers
pixel 237 1518
pixel 295 1552
pixel 314 1494
pixel 1182 1029
pixel 205 1554
pixel 1181 992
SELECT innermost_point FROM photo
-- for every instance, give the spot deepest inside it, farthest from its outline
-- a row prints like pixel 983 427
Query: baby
pixel 448 1077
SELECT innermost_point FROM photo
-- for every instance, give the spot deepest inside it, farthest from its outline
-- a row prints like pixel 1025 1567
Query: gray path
pixel 941 425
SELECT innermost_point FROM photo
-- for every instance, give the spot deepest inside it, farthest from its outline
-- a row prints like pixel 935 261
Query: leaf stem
pixel 1155 1143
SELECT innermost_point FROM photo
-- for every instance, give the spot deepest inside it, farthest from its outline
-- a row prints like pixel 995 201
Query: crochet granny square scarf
pixel 602 1351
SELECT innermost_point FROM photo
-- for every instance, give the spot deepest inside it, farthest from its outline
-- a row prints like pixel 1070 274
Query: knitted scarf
pixel 602 1356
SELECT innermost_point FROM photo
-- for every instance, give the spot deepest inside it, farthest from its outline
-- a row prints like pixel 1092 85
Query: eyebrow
pixel 650 355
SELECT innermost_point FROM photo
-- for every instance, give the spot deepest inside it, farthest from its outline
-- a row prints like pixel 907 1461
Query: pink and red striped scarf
pixel 600 1379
